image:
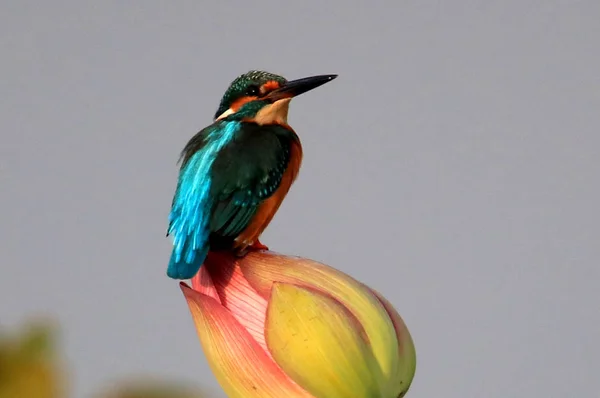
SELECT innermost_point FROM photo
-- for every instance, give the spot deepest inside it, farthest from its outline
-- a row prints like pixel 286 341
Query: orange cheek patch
pixel 238 103
pixel 269 86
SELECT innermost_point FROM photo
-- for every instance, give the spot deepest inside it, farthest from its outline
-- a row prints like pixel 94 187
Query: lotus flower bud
pixel 280 326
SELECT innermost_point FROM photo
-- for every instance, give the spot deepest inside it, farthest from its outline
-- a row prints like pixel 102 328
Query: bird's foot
pixel 258 246
pixel 242 250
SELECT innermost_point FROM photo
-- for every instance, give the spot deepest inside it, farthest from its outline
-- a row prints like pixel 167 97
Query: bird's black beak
pixel 294 88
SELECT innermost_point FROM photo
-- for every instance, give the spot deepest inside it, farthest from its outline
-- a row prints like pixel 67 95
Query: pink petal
pixel 240 365
pixel 202 283
pixel 236 294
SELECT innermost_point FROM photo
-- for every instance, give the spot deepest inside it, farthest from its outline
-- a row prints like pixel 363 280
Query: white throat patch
pixel 225 114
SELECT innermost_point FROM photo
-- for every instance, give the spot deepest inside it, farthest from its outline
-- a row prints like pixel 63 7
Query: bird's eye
pixel 253 90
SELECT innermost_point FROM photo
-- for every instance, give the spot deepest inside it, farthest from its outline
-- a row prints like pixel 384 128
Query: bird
pixel 235 173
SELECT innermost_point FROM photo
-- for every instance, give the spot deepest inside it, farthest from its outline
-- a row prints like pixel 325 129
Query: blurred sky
pixel 453 166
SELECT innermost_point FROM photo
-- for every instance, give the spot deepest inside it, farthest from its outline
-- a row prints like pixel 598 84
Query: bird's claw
pixel 258 246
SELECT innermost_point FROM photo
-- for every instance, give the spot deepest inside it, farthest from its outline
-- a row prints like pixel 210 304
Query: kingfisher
pixel 235 173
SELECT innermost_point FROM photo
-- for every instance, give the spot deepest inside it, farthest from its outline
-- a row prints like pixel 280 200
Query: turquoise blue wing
pixel 192 203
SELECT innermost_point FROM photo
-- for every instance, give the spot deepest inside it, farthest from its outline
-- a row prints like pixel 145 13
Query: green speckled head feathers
pixel 247 84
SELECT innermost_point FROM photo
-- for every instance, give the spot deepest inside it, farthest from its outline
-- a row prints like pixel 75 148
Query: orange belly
pixel 269 207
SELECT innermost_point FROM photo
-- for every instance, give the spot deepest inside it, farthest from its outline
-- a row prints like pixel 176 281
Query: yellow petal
pixel 407 362
pixel 320 344
pixel 261 269
pixel 240 365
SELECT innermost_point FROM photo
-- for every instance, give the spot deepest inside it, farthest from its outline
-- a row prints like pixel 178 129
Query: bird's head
pixel 264 97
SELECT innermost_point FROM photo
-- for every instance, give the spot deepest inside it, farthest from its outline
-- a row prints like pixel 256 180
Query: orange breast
pixel 269 207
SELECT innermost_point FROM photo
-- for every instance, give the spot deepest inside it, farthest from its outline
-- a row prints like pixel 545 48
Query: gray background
pixel 453 166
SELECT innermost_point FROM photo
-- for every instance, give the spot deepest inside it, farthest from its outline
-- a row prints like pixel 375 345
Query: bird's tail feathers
pixel 186 268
